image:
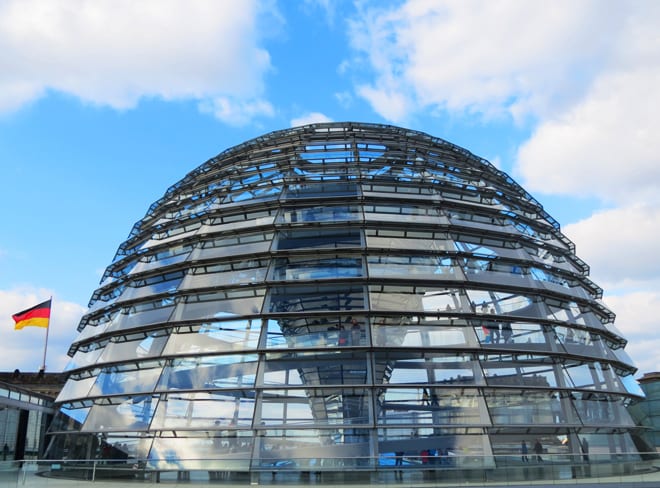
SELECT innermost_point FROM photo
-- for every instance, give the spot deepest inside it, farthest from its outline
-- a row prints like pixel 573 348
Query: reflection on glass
pixel 123 413
pixel 204 410
pixel 214 337
pixel 205 372
pixel 422 406
pixel 127 378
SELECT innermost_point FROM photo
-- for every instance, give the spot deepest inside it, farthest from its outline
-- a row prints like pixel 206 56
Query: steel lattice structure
pixel 333 295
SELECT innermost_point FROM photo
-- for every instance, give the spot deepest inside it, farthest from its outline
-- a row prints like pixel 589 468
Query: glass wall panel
pixel 227 451
pixel 424 333
pixel 121 413
pixel 328 213
pixel 409 240
pixel 213 337
pixel 226 273
pixel 294 268
pixel 332 449
pixel 411 367
pixel 76 387
pixel 311 298
pixel 404 212
pixel 323 331
pixel 596 409
pixel 332 238
pixel 451 448
pixel 204 410
pixel 142 314
pixel 127 378
pixel 315 407
pixel 233 245
pixel 135 346
pixel 316 369
pixel 520 370
pixel 417 299
pixel 154 285
pixel 506 303
pixel 159 258
pixel 84 357
pixel 527 407
pixel 220 304
pixel 209 372
pixel 444 407
pixel 414 267
pixel 326 189
pixel 70 417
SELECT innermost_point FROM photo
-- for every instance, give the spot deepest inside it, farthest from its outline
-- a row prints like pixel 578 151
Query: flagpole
pixel 43 366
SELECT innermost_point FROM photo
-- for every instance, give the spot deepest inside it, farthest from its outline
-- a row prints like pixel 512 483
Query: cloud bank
pixel 116 52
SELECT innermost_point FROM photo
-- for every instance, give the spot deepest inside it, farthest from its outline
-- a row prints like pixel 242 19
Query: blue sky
pixel 104 104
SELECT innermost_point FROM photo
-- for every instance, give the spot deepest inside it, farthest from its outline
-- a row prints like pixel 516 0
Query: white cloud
pixel 115 52
pixel 620 245
pixel 637 320
pixel 310 118
pixel 237 112
pixel 605 146
pixel 23 349
pixel 494 58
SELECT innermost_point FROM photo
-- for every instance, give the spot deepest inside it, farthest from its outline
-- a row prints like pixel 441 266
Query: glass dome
pixel 344 295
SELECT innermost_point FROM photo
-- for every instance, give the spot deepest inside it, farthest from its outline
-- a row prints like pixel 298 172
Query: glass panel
pixel 147 287
pixel 164 257
pixel 135 346
pixel 448 447
pixel 315 407
pixel 214 337
pixel 408 240
pixel 318 238
pixel 599 408
pixel 411 367
pixel 316 369
pixel 75 388
pixel 208 372
pixel 83 358
pixel 316 268
pixel 513 370
pixel 446 407
pixel 323 331
pixel 405 212
pixel 69 418
pixel 226 451
pixel 326 189
pixel 232 245
pixel 417 299
pixel 311 298
pixel 220 304
pixel 505 304
pixel 204 410
pixel 423 332
pixel 581 375
pixel 334 448
pixel 320 214
pixel 143 314
pixel 414 267
pixel 131 413
pixel 526 407
pixel 224 274
pixel 127 378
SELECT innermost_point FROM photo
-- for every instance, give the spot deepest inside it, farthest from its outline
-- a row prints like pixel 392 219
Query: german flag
pixel 37 316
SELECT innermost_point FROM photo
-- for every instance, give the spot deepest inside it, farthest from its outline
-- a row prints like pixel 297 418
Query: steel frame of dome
pixel 344 294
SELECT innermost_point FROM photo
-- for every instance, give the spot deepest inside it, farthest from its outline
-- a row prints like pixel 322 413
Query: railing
pixel 448 471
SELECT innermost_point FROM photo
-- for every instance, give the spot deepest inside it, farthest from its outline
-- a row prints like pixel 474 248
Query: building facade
pixel 345 295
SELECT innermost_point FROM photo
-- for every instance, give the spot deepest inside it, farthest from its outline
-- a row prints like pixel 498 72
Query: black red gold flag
pixel 37 316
